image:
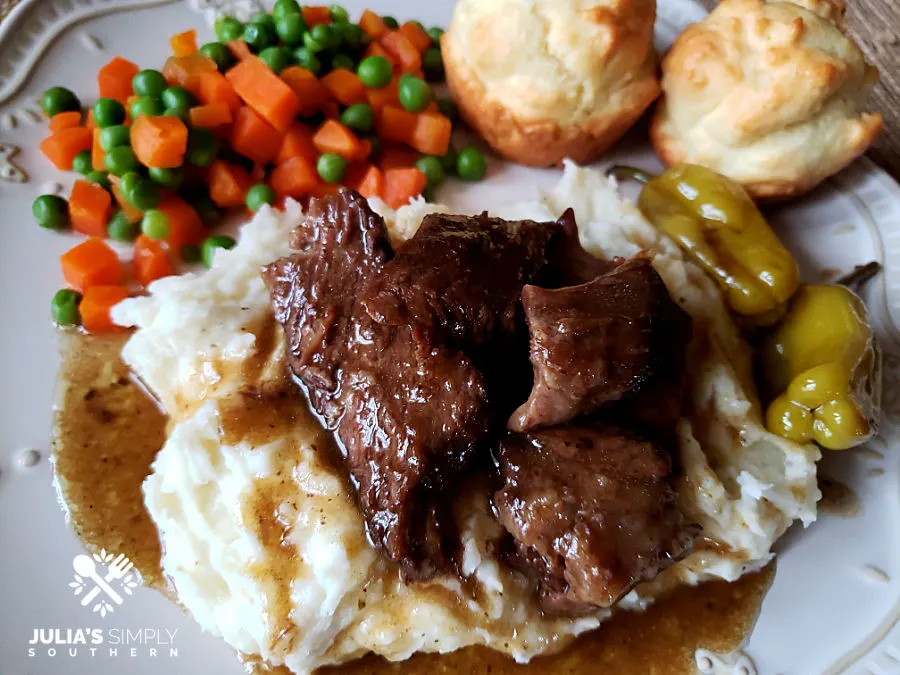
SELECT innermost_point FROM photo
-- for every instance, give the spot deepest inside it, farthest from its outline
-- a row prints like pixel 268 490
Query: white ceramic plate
pixel 835 602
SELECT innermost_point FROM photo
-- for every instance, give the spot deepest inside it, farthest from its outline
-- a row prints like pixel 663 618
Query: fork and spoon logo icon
pixel 117 573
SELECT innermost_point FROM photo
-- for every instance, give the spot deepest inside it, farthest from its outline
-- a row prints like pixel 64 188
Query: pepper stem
pixel 621 172
pixel 860 276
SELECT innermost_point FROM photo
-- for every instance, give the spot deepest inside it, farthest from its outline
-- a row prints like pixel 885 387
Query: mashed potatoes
pixel 262 539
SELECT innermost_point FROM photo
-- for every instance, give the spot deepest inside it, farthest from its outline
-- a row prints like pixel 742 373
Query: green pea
pixel 228 28
pixel 447 108
pixel 177 97
pixel 114 137
pixel 414 93
pixel 277 58
pixel 147 105
pixel 180 113
pixel 263 18
pixel 342 61
pixel 170 178
pixel 290 28
pixel 331 167
pixel 119 228
pixel 311 44
pixel 435 34
pixel 64 308
pixel 307 59
pixel 358 117
pixel 211 244
pixel 207 210
pixel 190 253
pixel 51 212
pixel 375 72
pixel 59 99
pixel 448 161
pixel 433 65
pixel 258 195
pixel 471 164
pixel 155 224
pixel 149 83
pixel 433 169
pixel 83 163
pixel 414 22
pixel 376 146
pixel 323 34
pixel 121 160
pixel 128 182
pixel 350 35
pixel 339 14
pixel 284 8
pixel 391 22
pixel 202 147
pixel 108 112
pixel 144 195
pixel 258 36
pixel 101 178
pixel 219 53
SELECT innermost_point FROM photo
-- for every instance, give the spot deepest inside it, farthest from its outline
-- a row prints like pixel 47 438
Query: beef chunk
pixel 592 511
pixel 594 343
pixel 462 277
pixel 568 264
pixel 408 411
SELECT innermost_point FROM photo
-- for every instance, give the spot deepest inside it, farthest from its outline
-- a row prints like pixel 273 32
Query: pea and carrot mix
pixel 295 104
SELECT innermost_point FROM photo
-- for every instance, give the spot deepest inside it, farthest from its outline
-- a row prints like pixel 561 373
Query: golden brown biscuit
pixel 769 93
pixel 542 80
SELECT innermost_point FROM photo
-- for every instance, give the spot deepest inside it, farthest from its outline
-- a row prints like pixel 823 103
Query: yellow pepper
pixel 823 368
pixel 718 225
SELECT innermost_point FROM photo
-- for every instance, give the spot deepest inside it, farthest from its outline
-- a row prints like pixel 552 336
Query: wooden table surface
pixel 876 26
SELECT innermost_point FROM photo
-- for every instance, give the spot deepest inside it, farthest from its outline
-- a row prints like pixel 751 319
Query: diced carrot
pixel 365 150
pixel 61 147
pixel 324 190
pixel 396 124
pixel 98 154
pixel 294 177
pixel 150 261
pixel 380 98
pixel 89 206
pixel 417 37
pixel 297 142
pixel 211 115
pixel 375 49
pixel 159 142
pixel 91 263
pixel 90 123
pixel 184 44
pixel 253 137
pixel 433 107
pixel 396 156
pixel 316 15
pixel 258 173
pixel 132 213
pixel 65 120
pixel 404 51
pixel 265 92
pixel 185 71
pixel 345 86
pixel 239 49
pixel 185 226
pixel 431 134
pixel 401 185
pixel 311 93
pixel 333 136
pixel 95 307
pixel 372 24
pixel 366 179
pixel 214 87
pixel 228 183
pixel 332 111
pixel 114 79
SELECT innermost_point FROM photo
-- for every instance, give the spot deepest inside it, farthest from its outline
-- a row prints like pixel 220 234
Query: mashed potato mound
pixel 262 539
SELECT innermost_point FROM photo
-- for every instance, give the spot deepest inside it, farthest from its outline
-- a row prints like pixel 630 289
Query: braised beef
pixel 593 343
pixel 408 411
pixel 592 511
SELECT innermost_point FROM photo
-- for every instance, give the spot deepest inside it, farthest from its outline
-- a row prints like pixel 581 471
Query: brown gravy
pixel 108 432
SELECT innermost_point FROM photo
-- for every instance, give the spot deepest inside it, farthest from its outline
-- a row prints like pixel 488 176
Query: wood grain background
pixel 876 26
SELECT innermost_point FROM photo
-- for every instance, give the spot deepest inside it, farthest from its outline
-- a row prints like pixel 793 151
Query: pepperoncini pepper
pixel 824 369
pixel 716 222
